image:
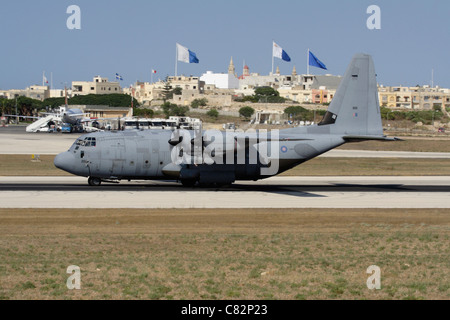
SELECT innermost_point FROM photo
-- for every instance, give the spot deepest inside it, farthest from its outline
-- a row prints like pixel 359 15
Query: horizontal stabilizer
pixel 368 138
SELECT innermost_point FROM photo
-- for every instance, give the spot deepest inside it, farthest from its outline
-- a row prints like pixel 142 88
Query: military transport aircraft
pixel 218 157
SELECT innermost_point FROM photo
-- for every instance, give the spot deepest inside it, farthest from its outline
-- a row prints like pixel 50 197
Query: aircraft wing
pixel 18 115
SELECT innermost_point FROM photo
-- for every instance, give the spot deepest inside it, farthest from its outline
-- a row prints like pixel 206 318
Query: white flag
pixel 278 52
pixel 185 55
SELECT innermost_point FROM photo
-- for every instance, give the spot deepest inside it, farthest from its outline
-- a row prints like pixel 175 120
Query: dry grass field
pixel 225 254
pixel 408 144
pixel 291 254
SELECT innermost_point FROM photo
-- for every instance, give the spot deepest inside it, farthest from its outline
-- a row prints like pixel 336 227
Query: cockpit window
pixel 90 142
pixel 87 142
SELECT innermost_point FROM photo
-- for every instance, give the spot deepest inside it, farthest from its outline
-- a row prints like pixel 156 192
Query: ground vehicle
pixel 66 128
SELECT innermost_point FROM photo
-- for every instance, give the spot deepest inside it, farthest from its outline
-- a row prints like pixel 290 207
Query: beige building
pixel 146 92
pixel 187 83
pixel 418 98
pixel 98 86
pixel 34 92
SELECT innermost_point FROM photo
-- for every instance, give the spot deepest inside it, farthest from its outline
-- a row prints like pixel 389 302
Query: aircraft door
pixel 91 156
pixel 113 157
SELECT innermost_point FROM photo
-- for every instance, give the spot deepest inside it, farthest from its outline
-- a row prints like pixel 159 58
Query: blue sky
pixel 133 37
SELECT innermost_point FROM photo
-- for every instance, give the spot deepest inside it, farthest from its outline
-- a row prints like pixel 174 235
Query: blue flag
pixel 193 57
pixel 119 77
pixel 313 61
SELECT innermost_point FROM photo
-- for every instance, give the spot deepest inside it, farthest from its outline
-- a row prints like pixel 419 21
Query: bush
pixel 299 113
pixel 423 116
pixel 199 103
pixel 213 113
pixel 143 113
pixel 252 99
pixel 268 95
pixel 171 109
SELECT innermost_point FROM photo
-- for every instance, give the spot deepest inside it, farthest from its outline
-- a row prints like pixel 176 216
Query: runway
pixel 277 192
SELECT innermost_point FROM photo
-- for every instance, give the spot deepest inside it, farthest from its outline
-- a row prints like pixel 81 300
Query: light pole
pixel 17 115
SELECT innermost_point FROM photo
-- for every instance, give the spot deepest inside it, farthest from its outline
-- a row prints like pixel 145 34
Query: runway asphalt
pixel 277 192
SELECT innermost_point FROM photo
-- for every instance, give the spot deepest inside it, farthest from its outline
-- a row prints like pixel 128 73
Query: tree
pixel 8 106
pixel 26 106
pixel 199 103
pixel 213 113
pixel 54 103
pixel 268 95
pixel 297 113
pixel 143 112
pixel 177 91
pixel 167 91
pixel 112 100
pixel 246 112
pixel 266 92
pixel 171 109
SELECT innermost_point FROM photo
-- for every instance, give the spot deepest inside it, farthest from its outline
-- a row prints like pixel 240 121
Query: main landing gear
pixel 188 183
pixel 94 182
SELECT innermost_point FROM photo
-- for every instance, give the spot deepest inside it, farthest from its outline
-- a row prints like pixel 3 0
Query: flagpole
pixel 176 60
pixel 273 43
pixel 307 63
pixel 272 63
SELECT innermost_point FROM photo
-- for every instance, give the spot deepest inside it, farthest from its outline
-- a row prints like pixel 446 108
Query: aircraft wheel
pixel 94 182
pixel 188 183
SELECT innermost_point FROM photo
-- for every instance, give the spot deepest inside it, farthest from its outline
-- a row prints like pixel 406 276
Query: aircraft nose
pixel 62 160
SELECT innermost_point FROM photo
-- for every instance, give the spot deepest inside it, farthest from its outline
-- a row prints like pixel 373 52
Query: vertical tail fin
pixel 355 109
